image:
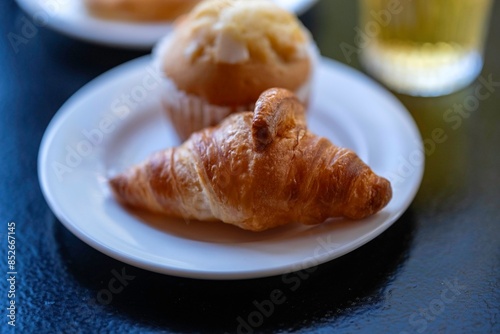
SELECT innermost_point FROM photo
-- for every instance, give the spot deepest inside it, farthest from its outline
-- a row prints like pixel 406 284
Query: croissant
pixel 256 170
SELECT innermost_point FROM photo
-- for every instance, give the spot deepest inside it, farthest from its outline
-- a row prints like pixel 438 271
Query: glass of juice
pixel 423 47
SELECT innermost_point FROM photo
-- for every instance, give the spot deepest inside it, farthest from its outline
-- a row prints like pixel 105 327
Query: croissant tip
pixel 125 191
pixel 117 184
pixel 380 194
pixel 375 196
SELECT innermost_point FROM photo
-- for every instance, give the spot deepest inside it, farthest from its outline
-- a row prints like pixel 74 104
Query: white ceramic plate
pixel 115 121
pixel 71 18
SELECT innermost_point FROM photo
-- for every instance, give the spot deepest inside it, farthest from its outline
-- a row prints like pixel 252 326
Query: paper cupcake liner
pixel 190 113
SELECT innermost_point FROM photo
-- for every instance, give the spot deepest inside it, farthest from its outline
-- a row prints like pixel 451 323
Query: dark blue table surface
pixel 436 270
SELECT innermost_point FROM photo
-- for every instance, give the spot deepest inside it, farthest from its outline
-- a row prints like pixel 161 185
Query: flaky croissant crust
pixel 256 170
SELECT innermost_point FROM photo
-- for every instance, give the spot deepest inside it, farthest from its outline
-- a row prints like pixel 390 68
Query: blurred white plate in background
pixel 71 18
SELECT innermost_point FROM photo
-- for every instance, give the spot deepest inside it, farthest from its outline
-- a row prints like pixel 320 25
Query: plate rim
pixel 107 34
pixel 150 265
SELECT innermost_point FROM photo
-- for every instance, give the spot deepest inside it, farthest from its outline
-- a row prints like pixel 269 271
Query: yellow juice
pixel 423 47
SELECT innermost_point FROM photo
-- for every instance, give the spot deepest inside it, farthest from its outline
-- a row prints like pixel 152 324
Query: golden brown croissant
pixel 256 171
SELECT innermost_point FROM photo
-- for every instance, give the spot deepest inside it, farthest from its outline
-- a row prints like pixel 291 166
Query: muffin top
pixel 229 51
pixel 234 31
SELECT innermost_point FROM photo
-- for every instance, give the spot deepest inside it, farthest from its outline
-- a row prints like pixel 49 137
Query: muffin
pixel 140 10
pixel 224 54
